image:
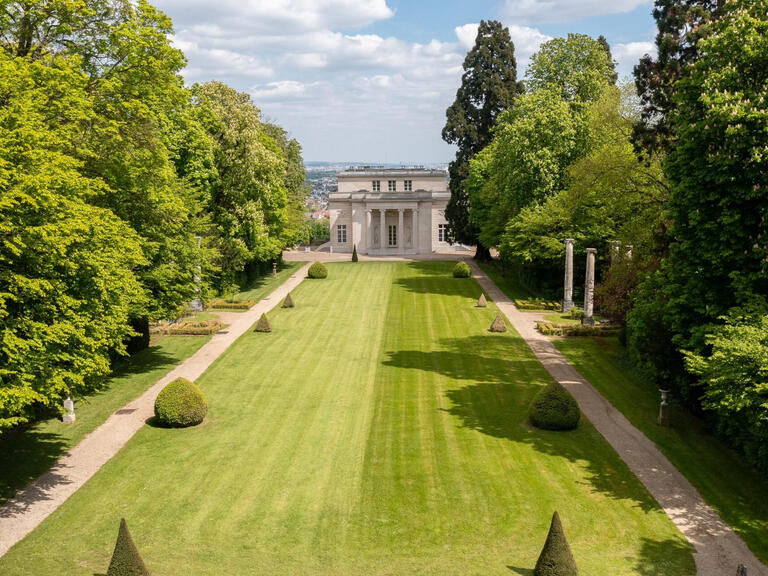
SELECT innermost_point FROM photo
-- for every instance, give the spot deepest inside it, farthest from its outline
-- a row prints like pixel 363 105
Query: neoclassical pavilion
pixel 389 211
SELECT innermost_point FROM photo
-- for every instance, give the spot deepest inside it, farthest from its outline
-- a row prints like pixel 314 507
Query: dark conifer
pixel 126 560
pixel 556 558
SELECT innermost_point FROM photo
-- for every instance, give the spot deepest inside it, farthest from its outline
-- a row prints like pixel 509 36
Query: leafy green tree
pixel 67 286
pixel 578 67
pixel 249 198
pixel 680 24
pixel 488 86
pixel 718 205
pixel 607 47
pixel 734 378
pixel 602 196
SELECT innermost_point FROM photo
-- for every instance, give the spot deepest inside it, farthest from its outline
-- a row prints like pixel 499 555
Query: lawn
pixel 260 287
pixel 730 486
pixel 28 452
pixel 379 429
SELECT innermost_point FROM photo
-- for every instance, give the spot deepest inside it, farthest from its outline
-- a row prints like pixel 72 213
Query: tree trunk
pixel 482 254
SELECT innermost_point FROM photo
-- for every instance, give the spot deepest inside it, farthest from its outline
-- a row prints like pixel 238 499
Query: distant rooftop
pixel 353 171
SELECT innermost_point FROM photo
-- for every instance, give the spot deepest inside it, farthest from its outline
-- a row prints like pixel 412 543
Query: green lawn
pixel 511 287
pixel 263 285
pixel 730 486
pixel 27 453
pixel 379 429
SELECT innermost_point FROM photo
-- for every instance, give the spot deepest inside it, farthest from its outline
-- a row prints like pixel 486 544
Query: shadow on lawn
pixel 28 452
pixel 502 381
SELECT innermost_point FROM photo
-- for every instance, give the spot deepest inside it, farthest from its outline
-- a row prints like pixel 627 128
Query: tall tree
pixel 607 47
pixel 718 206
pixel 679 23
pixel 488 86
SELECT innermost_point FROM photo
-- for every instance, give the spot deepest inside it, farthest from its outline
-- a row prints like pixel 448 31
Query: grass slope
pixel 263 285
pixel 28 452
pixel 379 429
pixel 729 485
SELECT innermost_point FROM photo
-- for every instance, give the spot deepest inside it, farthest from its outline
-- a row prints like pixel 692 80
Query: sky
pixel 370 80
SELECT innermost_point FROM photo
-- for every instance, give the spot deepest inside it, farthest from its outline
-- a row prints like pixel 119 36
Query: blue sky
pixel 369 80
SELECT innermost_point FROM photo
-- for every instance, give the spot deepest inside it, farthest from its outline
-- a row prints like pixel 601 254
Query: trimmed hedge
pixel 180 404
pixel 556 558
pixel 288 302
pixel 354 253
pixel 126 560
pixel 190 328
pixel 482 302
pixel 498 324
pixel 538 304
pixel 550 329
pixel 553 408
pixel 317 271
pixel 263 325
pixel 461 270
pixel 223 304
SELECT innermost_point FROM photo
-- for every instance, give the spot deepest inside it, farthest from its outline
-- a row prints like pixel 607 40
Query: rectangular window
pixel 391 185
pixel 341 233
pixel 442 232
pixel 377 185
pixel 408 185
pixel 392 235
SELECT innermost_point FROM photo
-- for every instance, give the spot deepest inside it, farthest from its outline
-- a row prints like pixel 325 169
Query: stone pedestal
pixel 663 409
pixel 568 290
pixel 69 411
pixel 589 289
pixel 274 269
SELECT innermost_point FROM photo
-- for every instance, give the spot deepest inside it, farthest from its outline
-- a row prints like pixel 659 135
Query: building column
pixel 400 231
pixel 382 229
pixel 589 289
pixel 366 230
pixel 415 230
pixel 352 224
pixel 568 291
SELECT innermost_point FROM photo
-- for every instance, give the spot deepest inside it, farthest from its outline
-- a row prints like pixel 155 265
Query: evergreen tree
pixel 288 302
pixel 126 560
pixel 263 325
pixel 556 558
pixel 680 23
pixel 488 86
pixel 354 253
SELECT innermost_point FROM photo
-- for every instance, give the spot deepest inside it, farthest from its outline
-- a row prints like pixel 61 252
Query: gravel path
pixel 25 511
pixel 719 550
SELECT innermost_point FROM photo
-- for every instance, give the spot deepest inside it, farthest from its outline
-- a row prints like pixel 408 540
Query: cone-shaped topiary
pixel 180 404
pixel 288 302
pixel 553 408
pixel 461 270
pixel 317 270
pixel 498 324
pixel 126 560
pixel 263 324
pixel 556 558
pixel 354 253
pixel 482 302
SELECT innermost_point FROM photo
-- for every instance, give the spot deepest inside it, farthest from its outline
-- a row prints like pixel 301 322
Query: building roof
pixel 384 172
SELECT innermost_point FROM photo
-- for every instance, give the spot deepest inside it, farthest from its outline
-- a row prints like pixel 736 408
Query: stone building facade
pixel 389 211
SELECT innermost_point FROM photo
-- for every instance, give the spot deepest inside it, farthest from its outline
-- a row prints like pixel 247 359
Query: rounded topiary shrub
pixel 181 403
pixel 317 270
pixel 461 270
pixel 554 408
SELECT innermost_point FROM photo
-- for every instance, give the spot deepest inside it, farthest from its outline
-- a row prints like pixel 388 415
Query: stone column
pixel 568 291
pixel 367 231
pixel 615 247
pixel 415 230
pixel 382 229
pixel 589 288
pixel 629 251
pixel 400 231
pixel 351 237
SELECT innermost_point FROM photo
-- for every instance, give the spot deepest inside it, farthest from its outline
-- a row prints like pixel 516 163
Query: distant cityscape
pixel 321 180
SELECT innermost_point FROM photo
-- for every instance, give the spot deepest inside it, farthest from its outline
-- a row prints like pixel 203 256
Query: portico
pixel 403 220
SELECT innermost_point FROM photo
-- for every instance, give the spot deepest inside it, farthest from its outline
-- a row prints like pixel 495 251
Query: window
pixel 341 233
pixel 377 185
pixel 442 233
pixel 391 185
pixel 392 235
pixel 408 185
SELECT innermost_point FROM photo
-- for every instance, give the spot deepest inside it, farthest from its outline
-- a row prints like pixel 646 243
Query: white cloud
pixel 627 55
pixel 540 11
pixel 467 34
